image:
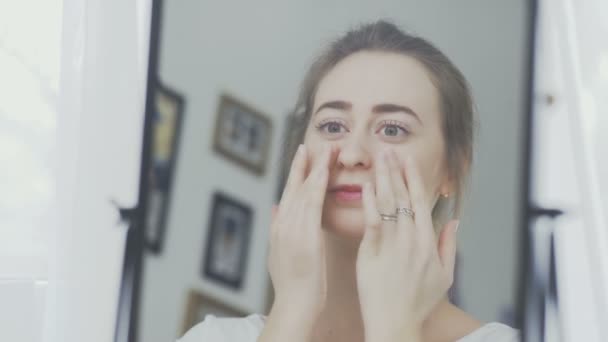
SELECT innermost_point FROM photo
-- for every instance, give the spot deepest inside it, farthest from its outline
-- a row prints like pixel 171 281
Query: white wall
pixel 259 53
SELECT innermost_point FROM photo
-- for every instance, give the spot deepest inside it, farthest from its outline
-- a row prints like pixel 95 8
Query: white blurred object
pixel 29 65
pixel 99 135
pixel 21 313
pixel 583 48
pixel 569 160
pixel 29 69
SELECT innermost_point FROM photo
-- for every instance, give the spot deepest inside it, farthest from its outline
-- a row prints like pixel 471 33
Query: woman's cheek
pixel 311 137
pixel 431 173
pixel 314 149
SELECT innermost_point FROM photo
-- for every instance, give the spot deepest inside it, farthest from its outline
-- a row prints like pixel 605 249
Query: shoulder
pixel 237 329
pixel 495 332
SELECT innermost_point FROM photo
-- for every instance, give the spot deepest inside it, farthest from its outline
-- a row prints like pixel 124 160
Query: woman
pixel 363 240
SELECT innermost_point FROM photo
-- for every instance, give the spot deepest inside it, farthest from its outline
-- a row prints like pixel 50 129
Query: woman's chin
pixel 344 222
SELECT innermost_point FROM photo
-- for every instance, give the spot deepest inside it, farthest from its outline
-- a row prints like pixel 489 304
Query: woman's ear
pixel 446 188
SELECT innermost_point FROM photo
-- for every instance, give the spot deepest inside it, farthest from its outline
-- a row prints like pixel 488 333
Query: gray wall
pixel 259 53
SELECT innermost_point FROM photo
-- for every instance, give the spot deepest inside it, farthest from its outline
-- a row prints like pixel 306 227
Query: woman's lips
pixel 347 193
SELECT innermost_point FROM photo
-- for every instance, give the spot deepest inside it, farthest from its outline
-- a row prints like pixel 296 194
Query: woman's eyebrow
pixel 340 105
pixel 392 108
pixel 382 108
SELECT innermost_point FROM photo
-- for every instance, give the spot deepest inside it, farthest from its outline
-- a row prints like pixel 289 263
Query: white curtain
pixel 570 162
pixel 99 131
pixel 30 33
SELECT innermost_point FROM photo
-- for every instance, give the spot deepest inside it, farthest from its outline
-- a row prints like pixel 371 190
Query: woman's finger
pixel 273 212
pixel 385 198
pixel 422 213
pixel 296 173
pixel 273 227
pixel 447 248
pixel 402 197
pixel 370 243
pixel 316 184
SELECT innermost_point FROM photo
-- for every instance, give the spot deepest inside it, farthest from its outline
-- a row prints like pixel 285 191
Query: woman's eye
pixel 331 127
pixel 393 130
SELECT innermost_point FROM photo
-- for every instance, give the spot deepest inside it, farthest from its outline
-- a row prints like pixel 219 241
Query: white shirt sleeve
pixel 248 329
pixel 493 332
pixel 233 329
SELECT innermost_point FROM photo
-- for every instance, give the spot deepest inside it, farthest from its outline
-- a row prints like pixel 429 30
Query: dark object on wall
pixel 198 305
pixel 227 241
pixel 166 127
pixel 242 134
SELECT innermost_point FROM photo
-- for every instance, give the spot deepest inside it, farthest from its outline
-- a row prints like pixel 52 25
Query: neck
pixel 340 319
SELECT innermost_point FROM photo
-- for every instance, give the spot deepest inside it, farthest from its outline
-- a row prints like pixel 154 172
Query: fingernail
pixel 456 228
pixel 300 149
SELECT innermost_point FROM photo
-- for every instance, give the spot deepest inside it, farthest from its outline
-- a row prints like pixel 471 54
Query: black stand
pixel 127 317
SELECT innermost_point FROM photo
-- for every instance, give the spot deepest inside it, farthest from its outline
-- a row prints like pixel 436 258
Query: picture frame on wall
pixel 166 129
pixel 228 238
pixel 198 305
pixel 242 134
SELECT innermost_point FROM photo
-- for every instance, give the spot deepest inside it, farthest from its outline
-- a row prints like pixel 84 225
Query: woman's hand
pixel 401 273
pixel 296 259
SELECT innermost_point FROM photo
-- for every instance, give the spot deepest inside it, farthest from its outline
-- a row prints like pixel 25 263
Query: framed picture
pixel 227 241
pixel 242 134
pixel 199 305
pixel 166 126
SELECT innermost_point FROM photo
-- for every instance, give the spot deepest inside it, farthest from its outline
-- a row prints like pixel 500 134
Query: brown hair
pixel 456 101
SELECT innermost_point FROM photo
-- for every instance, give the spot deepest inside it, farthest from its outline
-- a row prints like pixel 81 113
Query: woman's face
pixel 370 102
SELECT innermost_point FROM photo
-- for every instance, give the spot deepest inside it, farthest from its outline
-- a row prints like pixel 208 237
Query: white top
pixel 247 329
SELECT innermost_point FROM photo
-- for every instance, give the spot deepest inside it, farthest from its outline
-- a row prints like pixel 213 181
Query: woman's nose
pixel 354 154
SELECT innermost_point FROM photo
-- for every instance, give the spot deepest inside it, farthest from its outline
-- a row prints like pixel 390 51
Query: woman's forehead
pixel 366 79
